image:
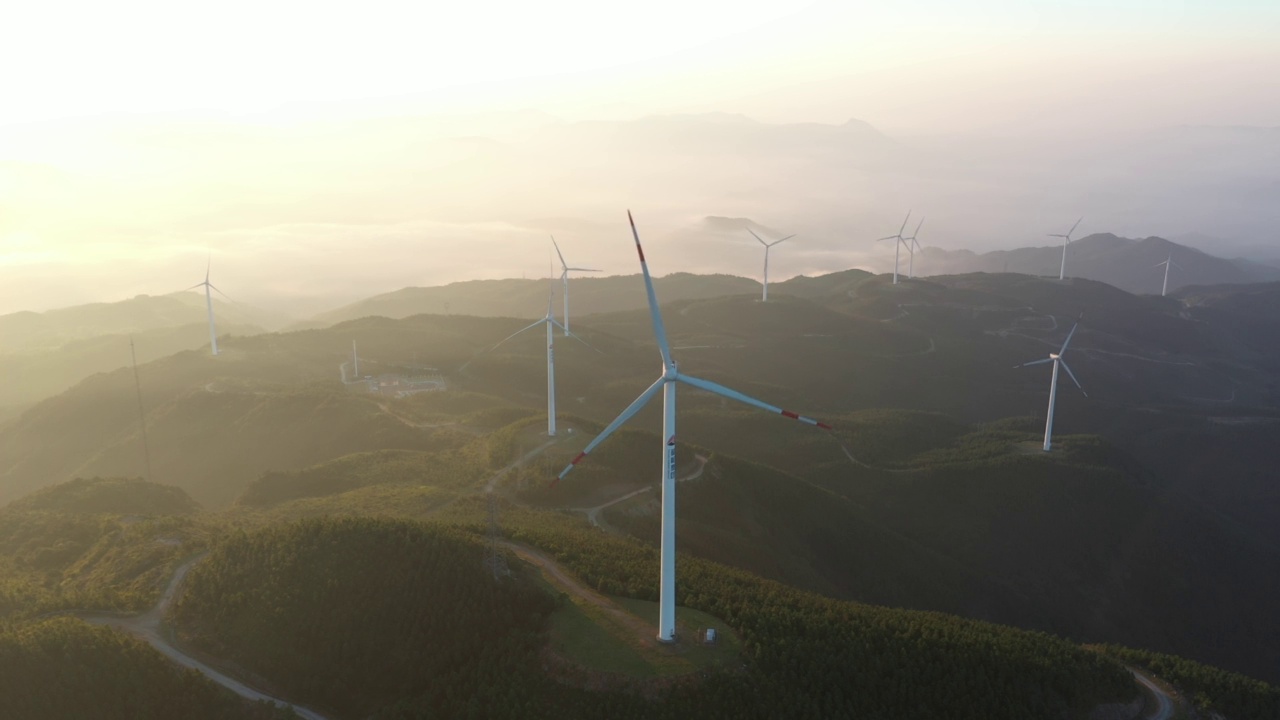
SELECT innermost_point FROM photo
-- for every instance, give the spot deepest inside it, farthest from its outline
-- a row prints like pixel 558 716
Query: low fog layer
pixel 304 217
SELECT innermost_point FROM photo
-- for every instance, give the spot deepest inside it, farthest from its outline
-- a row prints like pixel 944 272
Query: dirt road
pixel 147 627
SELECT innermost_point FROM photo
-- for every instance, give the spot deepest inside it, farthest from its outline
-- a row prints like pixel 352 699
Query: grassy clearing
pixel 600 641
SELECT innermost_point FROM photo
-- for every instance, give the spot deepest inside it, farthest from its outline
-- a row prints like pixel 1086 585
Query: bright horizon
pixel 315 153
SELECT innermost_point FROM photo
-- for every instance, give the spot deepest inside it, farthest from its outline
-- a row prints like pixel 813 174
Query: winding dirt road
pixel 1165 705
pixel 147 627
pixel 593 514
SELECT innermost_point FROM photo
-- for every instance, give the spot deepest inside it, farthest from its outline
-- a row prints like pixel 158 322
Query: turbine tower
pixel 1056 359
pixel 912 246
pixel 1165 288
pixel 767 245
pixel 1066 239
pixel 549 320
pixel 208 300
pixel 666 384
pixel 564 278
pixel 897 246
pixel 355 360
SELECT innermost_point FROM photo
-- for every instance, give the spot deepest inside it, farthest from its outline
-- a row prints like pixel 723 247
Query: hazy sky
pixel 142 135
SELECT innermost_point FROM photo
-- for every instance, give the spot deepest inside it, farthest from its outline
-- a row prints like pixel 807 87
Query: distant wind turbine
pixel 767 245
pixel 666 384
pixel 1066 239
pixel 1056 359
pixel 912 246
pixel 355 361
pixel 897 246
pixel 549 320
pixel 564 278
pixel 208 299
pixel 1165 288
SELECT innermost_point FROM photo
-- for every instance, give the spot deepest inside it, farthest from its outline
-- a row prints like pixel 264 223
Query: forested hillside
pixel 64 668
pixel 400 619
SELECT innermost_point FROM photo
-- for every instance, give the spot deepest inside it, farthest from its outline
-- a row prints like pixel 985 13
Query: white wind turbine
pixel 549 320
pixel 912 246
pixel 1066 240
pixel 208 300
pixel 1165 288
pixel 666 384
pixel 767 245
pixel 897 246
pixel 1056 359
pixel 564 278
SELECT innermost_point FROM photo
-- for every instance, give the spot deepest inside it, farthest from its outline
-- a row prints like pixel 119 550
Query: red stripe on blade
pixel 788 413
pixel 554 481
pixel 825 426
pixel 578 459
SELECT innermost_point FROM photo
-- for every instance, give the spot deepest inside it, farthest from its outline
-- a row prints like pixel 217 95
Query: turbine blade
pixel 584 269
pixel 904 224
pixel 577 337
pixel 527 327
pixel 659 330
pixel 775 242
pixel 757 237
pixel 1073 227
pixel 1067 342
pixel 557 247
pixel 626 415
pixel 193 287
pixel 891 237
pixel 1034 362
pixel 735 395
pixel 1072 375
pixel 215 287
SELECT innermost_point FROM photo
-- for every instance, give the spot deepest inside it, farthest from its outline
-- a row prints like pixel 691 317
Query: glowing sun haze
pixel 324 151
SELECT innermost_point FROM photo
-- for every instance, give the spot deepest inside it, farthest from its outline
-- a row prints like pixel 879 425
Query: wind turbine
pixel 897 246
pixel 355 361
pixel 767 245
pixel 564 277
pixel 208 299
pixel 549 320
pixel 912 246
pixel 1165 288
pixel 1066 239
pixel 666 384
pixel 1056 359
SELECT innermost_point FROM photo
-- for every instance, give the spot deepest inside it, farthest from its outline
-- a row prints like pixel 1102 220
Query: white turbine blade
pixel 757 237
pixel 208 266
pixel 1035 362
pixel 904 224
pixel 659 330
pixel 735 395
pixel 527 327
pixel 557 247
pixel 584 269
pixel 626 415
pixel 215 287
pixel 1057 235
pixel 891 237
pixel 1069 335
pixel 917 230
pixel 1072 375
pixel 1160 264
pixel 193 287
pixel 775 242
pixel 577 337
pixel 1073 227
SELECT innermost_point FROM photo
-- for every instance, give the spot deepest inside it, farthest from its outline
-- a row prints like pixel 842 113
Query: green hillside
pixel 403 618
pixel 64 668
pixel 105 543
